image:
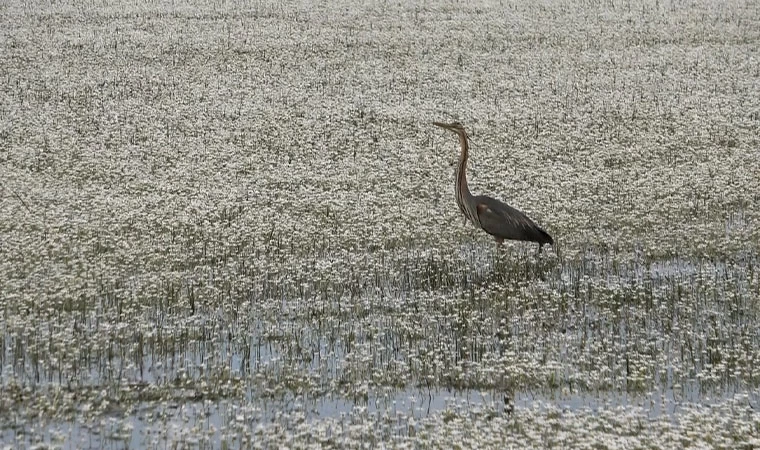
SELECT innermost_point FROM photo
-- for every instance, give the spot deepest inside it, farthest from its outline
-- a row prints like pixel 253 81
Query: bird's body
pixel 496 218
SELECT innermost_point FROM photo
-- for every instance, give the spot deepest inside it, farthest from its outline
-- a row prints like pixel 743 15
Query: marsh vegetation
pixel 230 225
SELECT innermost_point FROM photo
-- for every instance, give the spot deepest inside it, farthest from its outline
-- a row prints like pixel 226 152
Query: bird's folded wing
pixel 503 221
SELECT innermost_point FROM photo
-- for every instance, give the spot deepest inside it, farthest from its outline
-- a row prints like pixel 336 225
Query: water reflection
pixel 207 424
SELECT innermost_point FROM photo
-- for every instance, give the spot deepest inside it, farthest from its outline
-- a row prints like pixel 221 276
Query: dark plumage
pixel 493 216
pixel 505 222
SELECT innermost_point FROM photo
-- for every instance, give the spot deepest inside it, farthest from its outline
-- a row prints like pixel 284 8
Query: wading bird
pixel 494 217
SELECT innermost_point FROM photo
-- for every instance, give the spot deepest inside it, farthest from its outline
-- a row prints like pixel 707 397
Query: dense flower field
pixel 232 225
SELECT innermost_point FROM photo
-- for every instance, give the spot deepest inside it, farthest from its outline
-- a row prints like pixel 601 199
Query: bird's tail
pixel 545 237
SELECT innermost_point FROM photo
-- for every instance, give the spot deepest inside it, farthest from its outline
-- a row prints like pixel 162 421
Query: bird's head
pixel 456 127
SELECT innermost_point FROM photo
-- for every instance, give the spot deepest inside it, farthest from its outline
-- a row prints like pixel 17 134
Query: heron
pixel 496 218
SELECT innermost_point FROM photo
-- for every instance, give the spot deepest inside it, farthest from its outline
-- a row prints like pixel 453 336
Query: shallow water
pixel 205 424
pixel 637 350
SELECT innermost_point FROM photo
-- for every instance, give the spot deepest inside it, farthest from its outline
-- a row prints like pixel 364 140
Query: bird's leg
pixel 539 250
pixel 499 242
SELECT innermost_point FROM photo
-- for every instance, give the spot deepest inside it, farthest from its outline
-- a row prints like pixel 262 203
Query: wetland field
pixel 231 225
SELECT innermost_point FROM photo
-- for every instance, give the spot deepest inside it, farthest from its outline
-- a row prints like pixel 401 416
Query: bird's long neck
pixel 463 195
pixel 462 166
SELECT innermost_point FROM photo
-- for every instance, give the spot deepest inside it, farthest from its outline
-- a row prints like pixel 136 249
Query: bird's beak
pixel 442 125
